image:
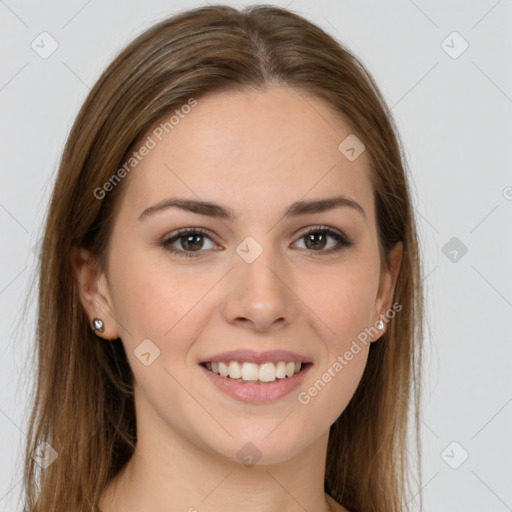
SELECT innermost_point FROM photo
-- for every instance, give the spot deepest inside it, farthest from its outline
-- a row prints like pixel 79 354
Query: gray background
pixel 454 115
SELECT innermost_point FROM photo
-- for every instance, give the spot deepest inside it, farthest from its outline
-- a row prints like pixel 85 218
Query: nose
pixel 259 295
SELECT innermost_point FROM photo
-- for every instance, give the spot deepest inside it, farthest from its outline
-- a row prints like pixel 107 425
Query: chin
pixel 259 448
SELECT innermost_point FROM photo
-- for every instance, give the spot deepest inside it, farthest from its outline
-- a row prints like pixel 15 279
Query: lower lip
pixel 257 393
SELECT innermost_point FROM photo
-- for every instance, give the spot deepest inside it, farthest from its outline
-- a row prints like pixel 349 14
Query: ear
pixel 388 278
pixel 94 292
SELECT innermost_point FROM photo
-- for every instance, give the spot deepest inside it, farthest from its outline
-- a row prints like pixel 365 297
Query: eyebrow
pixel 215 210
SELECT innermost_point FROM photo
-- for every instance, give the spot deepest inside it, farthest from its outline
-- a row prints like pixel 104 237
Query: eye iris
pixel 312 237
pixel 187 245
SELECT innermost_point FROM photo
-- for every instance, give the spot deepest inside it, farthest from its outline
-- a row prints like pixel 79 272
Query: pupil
pixel 312 236
pixel 188 242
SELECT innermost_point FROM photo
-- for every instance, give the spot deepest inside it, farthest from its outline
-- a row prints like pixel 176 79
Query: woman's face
pixel 253 283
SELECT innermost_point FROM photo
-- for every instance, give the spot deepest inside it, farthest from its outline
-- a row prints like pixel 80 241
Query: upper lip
pixel 251 356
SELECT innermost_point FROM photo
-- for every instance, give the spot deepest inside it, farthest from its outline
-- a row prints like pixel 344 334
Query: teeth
pixel 223 369
pixel 267 372
pixel 281 370
pixel 245 372
pixel 249 371
pixel 235 372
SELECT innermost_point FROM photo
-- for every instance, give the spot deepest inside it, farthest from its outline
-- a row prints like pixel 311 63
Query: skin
pixel 256 153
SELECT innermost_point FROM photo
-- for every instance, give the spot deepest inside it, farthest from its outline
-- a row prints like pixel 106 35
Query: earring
pixel 380 325
pixel 98 325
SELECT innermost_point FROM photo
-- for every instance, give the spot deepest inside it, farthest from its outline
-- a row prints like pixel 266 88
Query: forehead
pixel 245 149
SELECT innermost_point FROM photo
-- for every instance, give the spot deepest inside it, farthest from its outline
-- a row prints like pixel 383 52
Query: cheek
pixel 334 383
pixel 342 300
pixel 327 395
pixel 154 300
pixel 346 305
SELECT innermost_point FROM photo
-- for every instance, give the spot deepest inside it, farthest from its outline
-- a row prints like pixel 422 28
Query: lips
pixel 251 356
pixel 256 392
pixel 256 377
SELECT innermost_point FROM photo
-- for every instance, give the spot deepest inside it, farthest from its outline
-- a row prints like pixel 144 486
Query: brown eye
pixel 191 241
pixel 316 240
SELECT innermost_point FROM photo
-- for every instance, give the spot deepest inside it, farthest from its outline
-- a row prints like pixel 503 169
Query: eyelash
pixel 342 240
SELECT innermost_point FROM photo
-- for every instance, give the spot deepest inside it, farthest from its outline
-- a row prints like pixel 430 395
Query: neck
pixel 168 471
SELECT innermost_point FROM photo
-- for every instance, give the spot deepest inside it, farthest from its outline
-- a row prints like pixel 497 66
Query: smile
pixel 254 373
pixel 277 379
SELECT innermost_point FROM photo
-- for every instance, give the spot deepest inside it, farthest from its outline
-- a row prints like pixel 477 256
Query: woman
pixel 230 304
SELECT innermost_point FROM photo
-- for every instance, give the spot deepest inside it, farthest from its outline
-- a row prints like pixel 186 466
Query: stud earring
pixel 380 325
pixel 98 325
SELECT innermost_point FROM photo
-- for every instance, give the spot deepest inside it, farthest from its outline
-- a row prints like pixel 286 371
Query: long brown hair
pixel 83 399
